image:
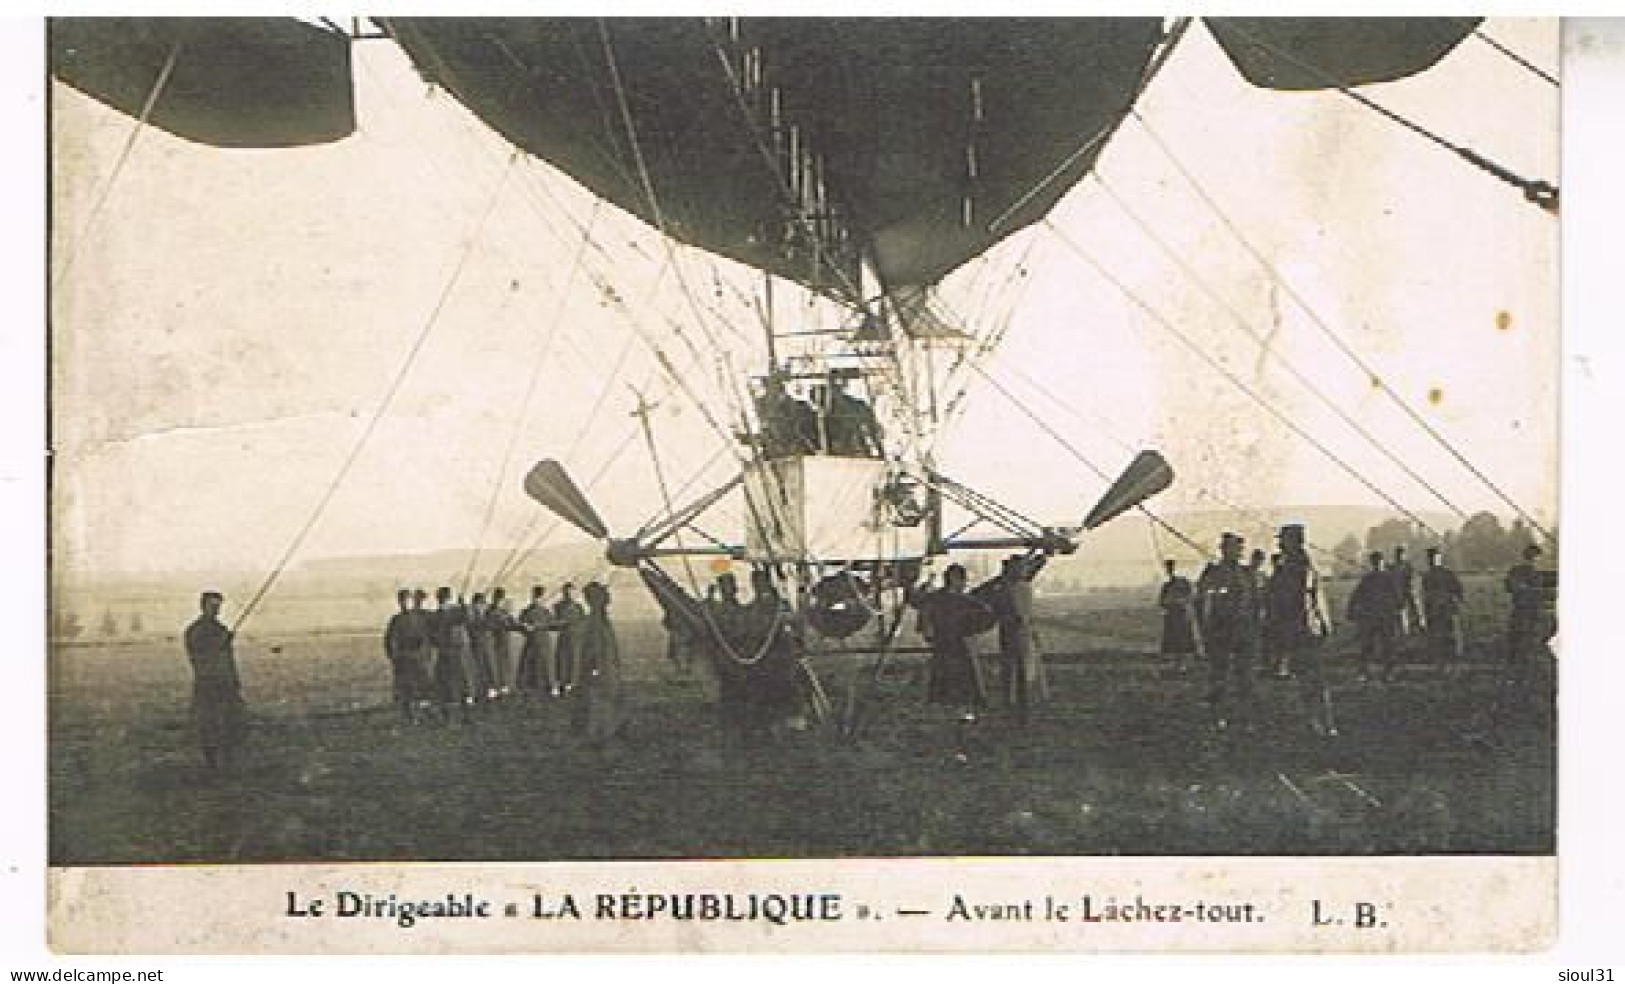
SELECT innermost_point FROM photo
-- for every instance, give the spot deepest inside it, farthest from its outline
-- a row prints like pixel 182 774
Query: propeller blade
pixel 549 484
pixel 1145 476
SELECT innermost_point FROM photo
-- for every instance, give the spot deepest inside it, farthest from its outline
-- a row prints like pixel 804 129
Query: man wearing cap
pixel 536 659
pixel 1299 625
pixel 479 640
pixel 949 617
pixel 567 618
pixel 1226 607
pixel 1375 608
pixel 596 712
pixel 1442 598
pixel 1176 599
pixel 1530 622
pixel 455 677
pixel 1404 575
pixel 850 422
pixel 1021 666
pixel 218 713
pixel 500 626
pixel 406 644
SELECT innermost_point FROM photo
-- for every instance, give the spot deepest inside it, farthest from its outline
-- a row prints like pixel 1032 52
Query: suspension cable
pixel 1072 449
pixel 1239 323
pixel 1326 330
pixel 654 205
pixel 1167 325
pixel 1102 425
pixel 1540 193
pixel 158 85
pixel 1514 56
pixel 384 404
pixel 1165 51
pixel 543 352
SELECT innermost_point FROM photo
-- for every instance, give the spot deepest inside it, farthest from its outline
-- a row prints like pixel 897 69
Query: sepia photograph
pixel 911 439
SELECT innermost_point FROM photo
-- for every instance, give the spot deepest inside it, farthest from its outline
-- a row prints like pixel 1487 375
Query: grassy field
pixel 1122 760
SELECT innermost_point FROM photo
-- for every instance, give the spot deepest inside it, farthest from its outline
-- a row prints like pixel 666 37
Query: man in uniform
pixel 218 713
pixel 1227 606
pixel 1299 625
pixel 456 678
pixel 1178 634
pixel 1530 621
pixel 536 660
pixel 479 639
pixel 949 617
pixel 789 426
pixel 1021 661
pixel 851 424
pixel 1404 575
pixel 595 714
pixel 1375 608
pixel 500 626
pixel 1442 598
pixel 567 618
pixel 762 637
pixel 406 644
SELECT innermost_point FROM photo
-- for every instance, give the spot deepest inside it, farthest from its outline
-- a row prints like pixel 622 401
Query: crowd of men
pixel 449 661
pixel 1246 621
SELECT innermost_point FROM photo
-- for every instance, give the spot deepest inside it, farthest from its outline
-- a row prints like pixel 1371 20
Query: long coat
pixel 598 705
pixel 948 620
pixel 218 713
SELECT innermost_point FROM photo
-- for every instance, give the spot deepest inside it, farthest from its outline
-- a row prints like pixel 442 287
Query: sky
pixel 226 323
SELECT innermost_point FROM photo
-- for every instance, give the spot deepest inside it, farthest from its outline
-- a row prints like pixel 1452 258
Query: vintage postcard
pixel 803 485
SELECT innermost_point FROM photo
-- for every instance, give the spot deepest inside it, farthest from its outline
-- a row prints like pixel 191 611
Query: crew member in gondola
pixel 1178 634
pixel 1442 598
pixel 219 716
pixel 1227 609
pixel 852 428
pixel 949 617
pixel 789 425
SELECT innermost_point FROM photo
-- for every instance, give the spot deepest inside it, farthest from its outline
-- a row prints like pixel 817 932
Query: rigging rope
pixel 1238 321
pixel 383 404
pixel 1098 421
pixel 158 85
pixel 1541 193
pixel 1514 56
pixel 1072 449
pixel 1332 335
pixel 1165 51
pixel 1235 380
pixel 543 351
pixel 669 243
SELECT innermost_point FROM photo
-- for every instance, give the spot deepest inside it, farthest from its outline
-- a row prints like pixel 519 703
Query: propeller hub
pixel 623 553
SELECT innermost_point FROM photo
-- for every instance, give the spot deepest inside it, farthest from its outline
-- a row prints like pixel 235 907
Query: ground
pixel 1122 760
